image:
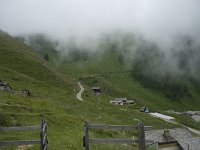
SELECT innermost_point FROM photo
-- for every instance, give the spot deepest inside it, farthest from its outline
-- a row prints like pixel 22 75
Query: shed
pixel 145 109
pixel 96 90
pixel 121 101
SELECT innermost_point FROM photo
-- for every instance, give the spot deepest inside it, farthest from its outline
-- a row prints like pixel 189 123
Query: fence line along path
pixel 43 141
pixel 141 135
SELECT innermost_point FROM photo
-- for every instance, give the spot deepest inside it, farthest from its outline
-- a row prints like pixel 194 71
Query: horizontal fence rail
pixel 43 135
pixel 21 128
pixel 112 141
pixel 115 141
pixel 141 136
pixel 116 127
pixel 22 142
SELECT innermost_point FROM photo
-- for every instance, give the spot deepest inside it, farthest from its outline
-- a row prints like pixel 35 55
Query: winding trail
pixel 78 96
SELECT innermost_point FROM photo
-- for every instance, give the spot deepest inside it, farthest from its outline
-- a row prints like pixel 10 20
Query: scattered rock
pixel 25 93
pixel 5 87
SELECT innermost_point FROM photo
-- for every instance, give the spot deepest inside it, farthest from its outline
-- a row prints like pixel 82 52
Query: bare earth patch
pixel 23 147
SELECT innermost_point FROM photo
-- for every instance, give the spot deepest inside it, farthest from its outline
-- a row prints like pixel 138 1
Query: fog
pixel 158 20
pixel 158 39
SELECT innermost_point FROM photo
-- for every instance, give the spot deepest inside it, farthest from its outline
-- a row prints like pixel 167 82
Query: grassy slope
pixel 54 98
pixel 116 80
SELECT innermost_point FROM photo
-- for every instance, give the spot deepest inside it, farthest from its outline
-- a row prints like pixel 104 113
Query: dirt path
pixel 23 147
pixel 78 96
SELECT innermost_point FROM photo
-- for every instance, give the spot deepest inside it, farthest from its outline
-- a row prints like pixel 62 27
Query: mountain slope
pixel 54 97
pixel 117 78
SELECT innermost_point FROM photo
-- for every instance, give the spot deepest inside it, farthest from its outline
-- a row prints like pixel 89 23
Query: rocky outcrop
pixel 5 87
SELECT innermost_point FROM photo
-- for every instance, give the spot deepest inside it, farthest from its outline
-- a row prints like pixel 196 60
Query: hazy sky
pixel 61 18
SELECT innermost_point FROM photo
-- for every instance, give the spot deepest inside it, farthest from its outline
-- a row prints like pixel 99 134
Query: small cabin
pixel 96 90
pixel 121 101
pixel 145 109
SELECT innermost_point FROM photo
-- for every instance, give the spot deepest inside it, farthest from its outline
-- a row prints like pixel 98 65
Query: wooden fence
pixel 141 135
pixel 43 141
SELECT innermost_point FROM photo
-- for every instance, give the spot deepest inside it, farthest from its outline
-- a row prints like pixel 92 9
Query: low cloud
pixel 158 20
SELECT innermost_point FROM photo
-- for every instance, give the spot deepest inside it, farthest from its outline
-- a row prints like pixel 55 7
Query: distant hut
pixel 121 101
pixel 145 109
pixel 96 90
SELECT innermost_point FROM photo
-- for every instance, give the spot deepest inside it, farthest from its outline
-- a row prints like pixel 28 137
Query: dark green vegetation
pixel 42 44
pixel 54 88
pixel 174 78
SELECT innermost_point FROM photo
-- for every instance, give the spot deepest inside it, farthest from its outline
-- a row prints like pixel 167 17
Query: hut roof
pixel 190 144
pixel 120 99
pixel 175 134
pixel 95 88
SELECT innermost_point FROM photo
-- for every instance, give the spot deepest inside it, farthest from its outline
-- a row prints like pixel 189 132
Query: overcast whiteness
pixel 61 18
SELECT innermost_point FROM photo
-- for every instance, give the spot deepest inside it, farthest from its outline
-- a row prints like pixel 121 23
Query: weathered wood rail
pixel 43 141
pixel 141 135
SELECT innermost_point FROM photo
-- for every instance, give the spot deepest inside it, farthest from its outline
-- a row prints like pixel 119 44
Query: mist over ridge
pixel 157 20
pixel 160 38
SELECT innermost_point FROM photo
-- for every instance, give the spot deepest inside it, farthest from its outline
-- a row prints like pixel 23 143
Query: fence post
pixel 141 136
pixel 43 135
pixel 86 138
